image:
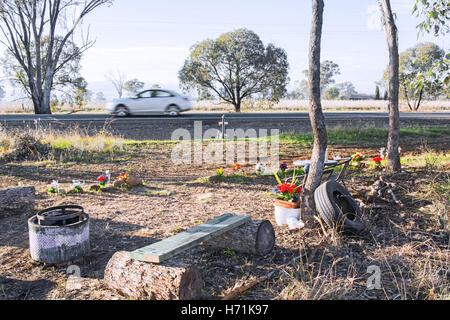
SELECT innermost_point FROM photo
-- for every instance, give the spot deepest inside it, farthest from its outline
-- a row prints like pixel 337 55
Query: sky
pixel 149 40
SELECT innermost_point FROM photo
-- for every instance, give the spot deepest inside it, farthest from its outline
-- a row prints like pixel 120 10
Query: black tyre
pixel 173 110
pixel 122 111
pixel 338 208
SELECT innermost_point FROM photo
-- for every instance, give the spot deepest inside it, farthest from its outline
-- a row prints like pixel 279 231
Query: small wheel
pixel 122 111
pixel 338 208
pixel 173 111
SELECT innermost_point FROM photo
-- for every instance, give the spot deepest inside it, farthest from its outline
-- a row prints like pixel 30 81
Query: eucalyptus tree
pixel 391 32
pixel 315 112
pixel 235 66
pixel 133 86
pixel 434 14
pixel 26 24
pixel 422 69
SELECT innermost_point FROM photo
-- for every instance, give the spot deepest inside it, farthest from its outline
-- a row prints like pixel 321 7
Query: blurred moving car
pixel 153 101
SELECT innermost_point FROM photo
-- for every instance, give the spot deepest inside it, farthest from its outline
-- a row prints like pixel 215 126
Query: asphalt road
pixel 217 116
pixel 161 127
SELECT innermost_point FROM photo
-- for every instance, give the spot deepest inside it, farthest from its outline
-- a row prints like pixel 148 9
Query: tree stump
pixel 173 280
pixel 255 237
pixel 17 200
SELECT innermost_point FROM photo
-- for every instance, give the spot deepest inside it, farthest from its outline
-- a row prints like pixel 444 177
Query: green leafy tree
pixel 377 92
pixel 328 70
pixel 331 93
pixel 134 86
pixel 204 94
pixel 346 89
pixel 422 72
pixel 435 15
pixel 36 34
pixel 236 66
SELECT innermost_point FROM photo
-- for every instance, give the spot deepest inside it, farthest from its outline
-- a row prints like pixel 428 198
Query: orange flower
pixel 236 166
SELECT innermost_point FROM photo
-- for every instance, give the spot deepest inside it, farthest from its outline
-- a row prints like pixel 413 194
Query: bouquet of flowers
pixel 77 186
pixel 377 161
pixel 123 177
pixel 53 187
pixel 358 157
pixel 103 179
pixel 260 168
pixel 236 167
pixel 287 191
pixel 287 194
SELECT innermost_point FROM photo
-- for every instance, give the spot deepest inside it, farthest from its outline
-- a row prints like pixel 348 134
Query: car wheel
pixel 173 110
pixel 122 111
pixel 338 208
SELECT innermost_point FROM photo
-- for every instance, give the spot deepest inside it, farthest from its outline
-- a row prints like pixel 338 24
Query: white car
pixel 153 101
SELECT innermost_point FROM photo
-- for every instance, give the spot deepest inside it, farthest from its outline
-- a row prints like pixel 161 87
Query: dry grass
pixel 44 143
pixel 253 106
pixel 328 105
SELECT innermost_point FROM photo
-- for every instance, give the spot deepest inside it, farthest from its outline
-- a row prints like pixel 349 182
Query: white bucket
pixel 282 215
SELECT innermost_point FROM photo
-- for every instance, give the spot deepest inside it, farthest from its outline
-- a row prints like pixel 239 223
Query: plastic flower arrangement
pixel 53 187
pixel 377 161
pixel 283 167
pixel 358 157
pixel 236 166
pixel 77 186
pixel 287 191
pixel 123 177
pixel 103 179
pixel 260 168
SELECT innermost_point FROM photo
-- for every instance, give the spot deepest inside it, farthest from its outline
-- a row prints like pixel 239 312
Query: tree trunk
pixel 173 280
pixel 394 117
pixel 17 200
pixel 237 106
pixel 254 237
pixel 416 107
pixel 315 114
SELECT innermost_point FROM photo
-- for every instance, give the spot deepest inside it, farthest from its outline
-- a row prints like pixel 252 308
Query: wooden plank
pixel 164 249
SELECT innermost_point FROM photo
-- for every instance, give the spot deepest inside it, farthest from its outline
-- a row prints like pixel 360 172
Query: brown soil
pixel 310 263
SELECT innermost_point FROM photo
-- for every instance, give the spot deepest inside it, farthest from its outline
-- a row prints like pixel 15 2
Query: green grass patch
pixel 368 136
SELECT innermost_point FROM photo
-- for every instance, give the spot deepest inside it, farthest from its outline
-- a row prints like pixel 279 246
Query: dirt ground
pixel 408 246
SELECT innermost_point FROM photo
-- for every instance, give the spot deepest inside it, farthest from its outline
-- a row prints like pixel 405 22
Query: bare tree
pixel 118 79
pixel 315 112
pixel 394 117
pixel 25 24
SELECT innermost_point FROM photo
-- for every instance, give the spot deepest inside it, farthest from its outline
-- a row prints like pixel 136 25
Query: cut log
pixel 255 237
pixel 172 280
pixel 17 200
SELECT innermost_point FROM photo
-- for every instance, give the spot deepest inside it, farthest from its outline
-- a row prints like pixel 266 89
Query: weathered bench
pixel 163 278
pixel 164 249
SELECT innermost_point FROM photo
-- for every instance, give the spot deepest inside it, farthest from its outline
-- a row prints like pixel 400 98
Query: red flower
pixel 101 179
pixel 377 159
pixel 287 187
